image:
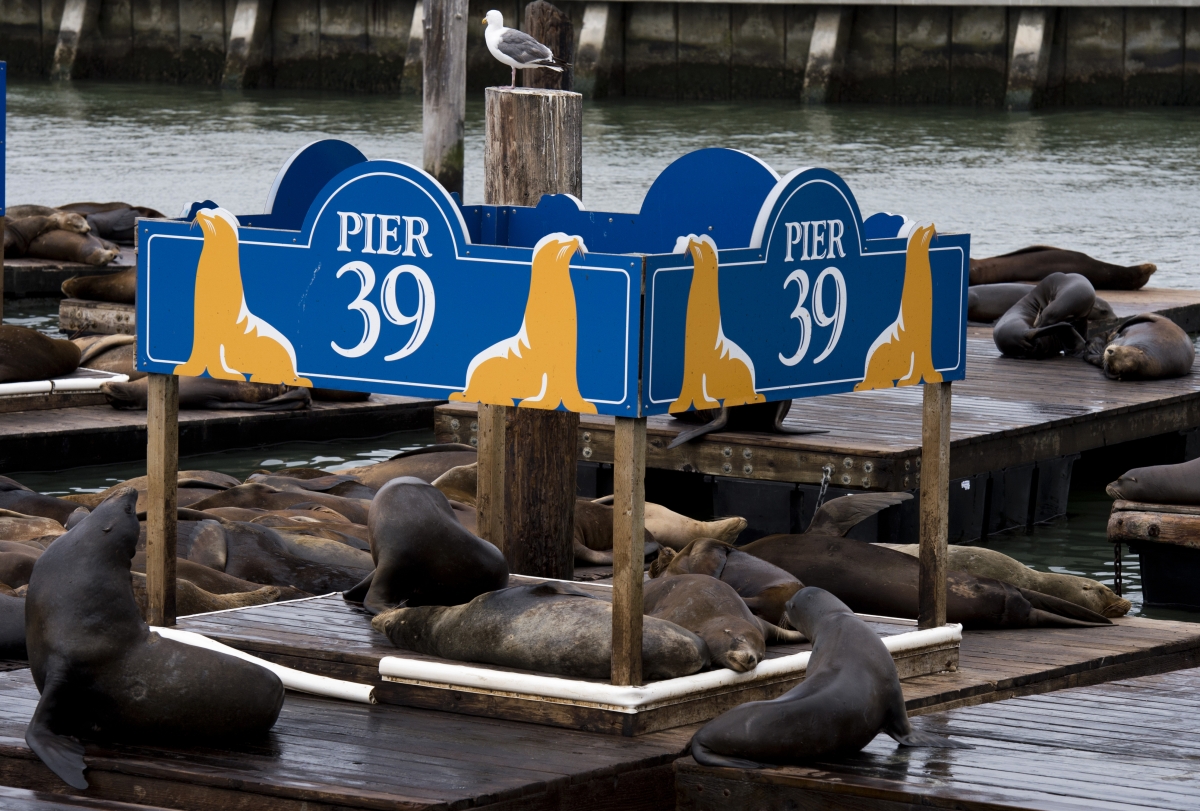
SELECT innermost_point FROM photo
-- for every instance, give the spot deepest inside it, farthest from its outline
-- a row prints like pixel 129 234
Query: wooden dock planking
pixel 38 440
pixel 1006 413
pixel 1128 744
pixel 17 799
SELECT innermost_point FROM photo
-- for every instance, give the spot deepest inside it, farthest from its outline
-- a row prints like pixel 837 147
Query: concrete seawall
pixel 994 55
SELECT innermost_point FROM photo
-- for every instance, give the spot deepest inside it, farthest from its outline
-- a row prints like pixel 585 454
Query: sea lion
pixel 1050 320
pixel 760 418
pixel 675 531
pixel 352 535
pixel 115 221
pixel 26 354
pixel 1145 347
pixel 1159 484
pixel 214 582
pixel 713 611
pixel 15 526
pixel 422 554
pixel 257 494
pixel 1036 262
pixel 191 599
pixel 872 579
pixel 850 694
pixel 101 672
pixel 593 542
pixel 460 483
pixel 20 232
pixel 205 392
pixel 120 287
pixel 983 562
pixel 16 563
pixel 12 627
pixel 109 353
pixel 548 627
pixel 344 485
pixel 191 486
pixel 425 464
pixel 18 498
pixel 763 587
pixel 68 246
pixel 987 302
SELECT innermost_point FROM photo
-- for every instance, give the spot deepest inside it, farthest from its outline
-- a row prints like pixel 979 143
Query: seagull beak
pixel 484 21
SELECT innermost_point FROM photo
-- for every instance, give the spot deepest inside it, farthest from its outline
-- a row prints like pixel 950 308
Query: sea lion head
pixel 741 655
pixel 1121 361
pixel 810 607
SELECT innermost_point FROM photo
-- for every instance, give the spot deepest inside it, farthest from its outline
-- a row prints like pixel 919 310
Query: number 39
pixel 801 313
pixel 423 316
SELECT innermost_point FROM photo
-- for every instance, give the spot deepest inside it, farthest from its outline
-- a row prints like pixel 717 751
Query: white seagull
pixel 516 48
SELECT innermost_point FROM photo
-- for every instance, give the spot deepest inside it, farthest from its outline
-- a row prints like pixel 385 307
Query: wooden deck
pixel 69 437
pixel 1124 745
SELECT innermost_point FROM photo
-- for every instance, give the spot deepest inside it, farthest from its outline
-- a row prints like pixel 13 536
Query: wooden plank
pixel 935 505
pixel 1136 506
pixel 1155 527
pixel 629 516
pixel 162 471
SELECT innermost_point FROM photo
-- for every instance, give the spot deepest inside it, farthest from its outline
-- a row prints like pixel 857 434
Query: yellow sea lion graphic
pixel 228 340
pixel 537 365
pixel 714 367
pixel 901 355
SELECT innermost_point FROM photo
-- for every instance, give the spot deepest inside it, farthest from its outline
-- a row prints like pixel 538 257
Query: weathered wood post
pixel 629 552
pixel 445 90
pixel 550 26
pixel 935 504
pixel 533 145
pixel 162 474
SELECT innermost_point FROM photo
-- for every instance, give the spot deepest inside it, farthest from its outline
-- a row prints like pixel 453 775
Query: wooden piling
pixel 247 37
pixel 533 145
pixel 629 553
pixel 78 20
pixel 444 85
pixel 935 504
pixel 162 473
pixel 550 26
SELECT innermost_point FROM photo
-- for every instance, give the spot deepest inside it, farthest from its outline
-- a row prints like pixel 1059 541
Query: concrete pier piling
pixel 994 53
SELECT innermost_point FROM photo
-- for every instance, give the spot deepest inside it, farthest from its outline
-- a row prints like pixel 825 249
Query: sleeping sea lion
pixel 352 535
pixel 762 418
pixel 191 599
pixel 12 627
pixel 101 672
pixel 18 498
pixel 342 484
pixel 205 392
pixel 548 627
pixel 764 588
pixel 872 579
pixel 1036 262
pixel 713 611
pixel 20 232
pixel 425 464
pixel 257 494
pixel 109 353
pixel 983 562
pixel 214 582
pixel 68 246
pixel 191 486
pixel 1051 319
pixel 1159 484
pixel 120 287
pixel 422 554
pixel 850 694
pixel 593 542
pixel 26 354
pixel 675 531
pixel 16 563
pixel 15 526
pixel 1145 347
pixel 460 483
pixel 987 302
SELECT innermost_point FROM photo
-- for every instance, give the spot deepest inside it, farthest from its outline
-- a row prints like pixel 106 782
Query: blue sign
pixel 367 275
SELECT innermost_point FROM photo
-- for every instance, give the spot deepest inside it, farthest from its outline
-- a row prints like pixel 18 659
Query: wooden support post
pixel 411 82
pixel 79 20
pixel 445 90
pixel 935 504
pixel 550 26
pixel 1029 60
pixel 533 145
pixel 162 473
pixel 826 54
pixel 629 552
pixel 247 39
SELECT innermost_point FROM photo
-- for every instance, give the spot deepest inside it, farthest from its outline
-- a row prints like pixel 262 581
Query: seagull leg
pixel 514 79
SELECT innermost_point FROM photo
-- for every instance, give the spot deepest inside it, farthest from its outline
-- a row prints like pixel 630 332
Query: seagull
pixel 516 48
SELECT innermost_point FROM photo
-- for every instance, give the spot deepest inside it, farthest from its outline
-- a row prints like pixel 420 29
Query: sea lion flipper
pixel 915 737
pixel 706 757
pixel 359 592
pixel 774 635
pixel 61 753
pixel 1051 611
pixel 840 515
pixel 715 424
pixel 592 557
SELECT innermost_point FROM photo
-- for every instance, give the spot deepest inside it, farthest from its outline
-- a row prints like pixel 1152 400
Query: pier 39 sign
pixel 368 276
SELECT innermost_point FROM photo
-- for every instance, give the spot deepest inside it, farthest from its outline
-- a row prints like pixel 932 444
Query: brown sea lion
pixel 314 512
pixel 341 484
pixel 18 498
pixel 872 579
pixel 713 611
pixel 593 542
pixel 1159 484
pixel 675 531
pixel 16 563
pixel 109 353
pixel 120 287
pixel 987 302
pixel 1145 347
pixel 1050 320
pixel 459 483
pixel 422 554
pixel 342 533
pixel 764 588
pixel 16 526
pixel 983 562
pixel 26 354
pixel 20 232
pixel 214 582
pixel 760 418
pixel 191 486
pixel 425 464
pixel 68 246
pixel 191 599
pixel 266 497
pixel 97 208
pixel 850 693
pixel 1036 262
pixel 28 210
pixel 548 628
pixel 205 392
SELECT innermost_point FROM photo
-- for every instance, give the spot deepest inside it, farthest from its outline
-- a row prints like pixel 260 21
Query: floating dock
pixel 43 278
pixel 1166 538
pixel 1123 745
